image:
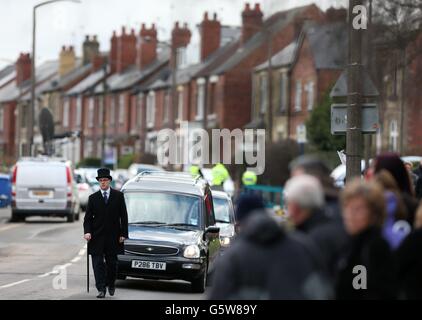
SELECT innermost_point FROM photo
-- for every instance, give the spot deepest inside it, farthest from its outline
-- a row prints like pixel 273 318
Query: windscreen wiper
pixel 180 225
pixel 222 221
pixel 148 222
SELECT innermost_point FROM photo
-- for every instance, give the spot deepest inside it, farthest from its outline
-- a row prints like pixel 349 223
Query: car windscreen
pixel 163 208
pixel 42 174
pixel 221 210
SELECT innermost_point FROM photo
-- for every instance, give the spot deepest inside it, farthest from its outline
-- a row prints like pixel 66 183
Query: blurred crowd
pixel 362 242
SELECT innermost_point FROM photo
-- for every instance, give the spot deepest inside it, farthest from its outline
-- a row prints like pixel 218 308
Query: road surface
pixel 45 258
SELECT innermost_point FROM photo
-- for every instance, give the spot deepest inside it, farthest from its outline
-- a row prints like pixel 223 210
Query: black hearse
pixel 172 229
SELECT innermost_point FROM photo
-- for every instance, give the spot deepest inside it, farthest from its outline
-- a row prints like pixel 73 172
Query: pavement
pixel 45 258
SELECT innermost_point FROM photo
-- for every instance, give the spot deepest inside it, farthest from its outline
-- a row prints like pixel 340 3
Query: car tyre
pixel 199 284
pixel 121 277
pixel 71 217
pixel 16 217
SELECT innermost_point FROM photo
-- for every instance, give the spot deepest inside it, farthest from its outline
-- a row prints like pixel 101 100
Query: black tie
pixel 105 197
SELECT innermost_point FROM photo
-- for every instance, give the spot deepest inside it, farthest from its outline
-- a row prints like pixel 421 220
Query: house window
pixel 78 111
pixel 151 109
pixel 121 109
pixel 180 105
pixel 310 95
pixel 298 98
pixel 139 109
pixel 166 110
pixel 393 136
pixel 1 118
pixel 283 91
pixel 100 109
pixel 263 94
pixel 212 98
pixel 89 149
pixel 112 109
pixel 200 103
pixel 91 113
pixel 66 113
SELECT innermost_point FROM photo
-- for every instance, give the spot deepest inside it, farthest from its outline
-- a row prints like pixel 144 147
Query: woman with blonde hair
pixel 364 212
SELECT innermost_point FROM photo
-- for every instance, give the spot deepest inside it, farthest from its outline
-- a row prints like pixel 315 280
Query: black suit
pixel 106 223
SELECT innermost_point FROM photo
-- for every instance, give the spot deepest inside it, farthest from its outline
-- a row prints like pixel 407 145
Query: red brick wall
pixel 413 116
pixel 304 71
pixel 8 132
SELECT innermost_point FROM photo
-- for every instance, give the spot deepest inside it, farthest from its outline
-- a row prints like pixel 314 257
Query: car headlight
pixel 225 241
pixel 192 251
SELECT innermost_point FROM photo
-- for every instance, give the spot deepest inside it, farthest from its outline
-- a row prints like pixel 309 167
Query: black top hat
pixel 104 173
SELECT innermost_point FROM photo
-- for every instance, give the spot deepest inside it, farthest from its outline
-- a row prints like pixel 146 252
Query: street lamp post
pixel 30 135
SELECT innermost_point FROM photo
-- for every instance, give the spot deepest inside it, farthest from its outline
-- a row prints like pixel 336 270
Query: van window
pixel 42 174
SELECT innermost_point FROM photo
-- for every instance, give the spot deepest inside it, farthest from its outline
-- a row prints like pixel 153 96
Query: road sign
pixel 370 118
pixel 301 133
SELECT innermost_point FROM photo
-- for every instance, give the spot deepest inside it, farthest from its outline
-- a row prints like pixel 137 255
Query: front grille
pixel 151 250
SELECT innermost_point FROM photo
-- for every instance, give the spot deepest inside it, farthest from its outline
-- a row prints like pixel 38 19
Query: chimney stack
pixel 336 15
pixel 210 36
pixel 67 60
pixel 180 38
pixel 251 21
pixel 23 68
pixel 147 52
pixel 90 49
pixel 126 50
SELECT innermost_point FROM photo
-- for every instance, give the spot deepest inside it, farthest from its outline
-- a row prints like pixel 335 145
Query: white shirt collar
pixel 108 191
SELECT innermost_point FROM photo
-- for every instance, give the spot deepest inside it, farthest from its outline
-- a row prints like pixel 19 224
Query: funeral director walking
pixel 105 229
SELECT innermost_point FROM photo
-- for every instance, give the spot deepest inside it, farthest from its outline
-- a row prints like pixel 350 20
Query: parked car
pixel 120 176
pixel 5 190
pixel 228 184
pixel 136 168
pixel 44 187
pixel 224 216
pixel 84 188
pixel 339 173
pixel 172 229
pixel 90 176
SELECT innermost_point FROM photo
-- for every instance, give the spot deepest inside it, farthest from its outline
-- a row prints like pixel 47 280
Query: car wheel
pixel 121 277
pixel 71 217
pixel 16 218
pixel 199 284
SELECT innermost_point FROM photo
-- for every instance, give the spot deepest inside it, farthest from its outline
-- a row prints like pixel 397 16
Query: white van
pixel 44 187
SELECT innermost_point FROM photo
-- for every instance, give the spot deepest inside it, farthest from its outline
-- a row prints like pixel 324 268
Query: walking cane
pixel 87 266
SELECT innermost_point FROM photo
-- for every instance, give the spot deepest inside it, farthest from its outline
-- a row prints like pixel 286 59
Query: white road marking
pixel 12 226
pixel 14 283
pixel 53 272
pixel 75 259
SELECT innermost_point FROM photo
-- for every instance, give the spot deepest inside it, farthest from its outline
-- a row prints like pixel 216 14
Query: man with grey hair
pixel 304 196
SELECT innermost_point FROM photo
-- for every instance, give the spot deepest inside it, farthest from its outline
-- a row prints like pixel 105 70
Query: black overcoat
pixel 106 223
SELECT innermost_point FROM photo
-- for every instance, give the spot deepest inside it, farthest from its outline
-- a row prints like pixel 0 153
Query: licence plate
pixel 137 264
pixel 42 193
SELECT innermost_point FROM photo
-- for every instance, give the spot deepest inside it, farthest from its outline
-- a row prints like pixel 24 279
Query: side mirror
pixel 211 229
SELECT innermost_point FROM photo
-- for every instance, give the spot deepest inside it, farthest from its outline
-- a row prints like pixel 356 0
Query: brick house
pixel 400 102
pixel 132 61
pixel 303 72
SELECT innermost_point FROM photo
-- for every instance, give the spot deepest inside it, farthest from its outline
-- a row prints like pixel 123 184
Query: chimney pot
pixel 63 49
pixel 247 6
pixel 257 7
pixel 185 25
pixel 215 16
pixel 123 30
pixel 153 26
pixel 205 16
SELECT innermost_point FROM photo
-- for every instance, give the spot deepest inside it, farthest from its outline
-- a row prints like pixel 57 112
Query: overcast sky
pixel 67 23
